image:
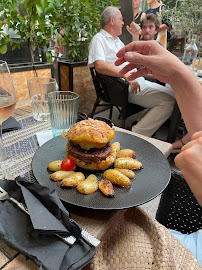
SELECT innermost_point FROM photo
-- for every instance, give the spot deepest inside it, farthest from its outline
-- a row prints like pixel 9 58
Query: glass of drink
pixel 7 105
pixel 39 87
pixel 63 106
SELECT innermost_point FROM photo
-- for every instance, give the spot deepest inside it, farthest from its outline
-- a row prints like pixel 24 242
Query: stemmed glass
pixel 7 105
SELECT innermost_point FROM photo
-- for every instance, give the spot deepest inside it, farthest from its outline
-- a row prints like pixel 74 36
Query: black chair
pixel 113 91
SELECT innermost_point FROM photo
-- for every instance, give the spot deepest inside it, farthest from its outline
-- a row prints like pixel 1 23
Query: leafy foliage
pixel 74 22
pixel 31 20
pixel 186 14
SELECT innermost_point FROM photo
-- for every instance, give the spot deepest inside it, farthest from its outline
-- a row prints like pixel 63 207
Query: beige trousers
pixel 158 100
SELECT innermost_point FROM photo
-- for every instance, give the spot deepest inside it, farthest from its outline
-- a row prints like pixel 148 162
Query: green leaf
pixel 39 9
pixel 3 49
pixel 44 4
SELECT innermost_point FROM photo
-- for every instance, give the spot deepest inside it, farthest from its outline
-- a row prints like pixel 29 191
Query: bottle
pixel 190 52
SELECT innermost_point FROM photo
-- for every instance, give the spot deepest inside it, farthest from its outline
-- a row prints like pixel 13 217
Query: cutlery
pixel 88 237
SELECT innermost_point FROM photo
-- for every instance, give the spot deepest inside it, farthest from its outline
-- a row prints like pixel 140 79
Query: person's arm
pixel 169 69
pixel 163 27
pixel 105 68
pixel 189 161
pixel 135 30
pixel 142 16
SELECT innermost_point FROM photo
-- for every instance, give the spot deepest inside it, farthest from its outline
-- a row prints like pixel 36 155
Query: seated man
pixel 102 55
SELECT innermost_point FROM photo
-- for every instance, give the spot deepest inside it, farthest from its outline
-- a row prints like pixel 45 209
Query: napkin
pixel 35 235
pixel 44 136
pixel 10 124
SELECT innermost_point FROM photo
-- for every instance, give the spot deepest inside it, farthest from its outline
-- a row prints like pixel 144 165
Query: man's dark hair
pixel 150 17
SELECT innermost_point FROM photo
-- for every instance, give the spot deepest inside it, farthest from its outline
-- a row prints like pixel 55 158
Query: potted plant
pixel 33 21
pixel 33 24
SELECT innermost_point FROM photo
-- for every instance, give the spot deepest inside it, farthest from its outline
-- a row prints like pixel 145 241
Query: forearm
pixel 188 93
pixel 135 36
pixel 107 69
pixel 163 27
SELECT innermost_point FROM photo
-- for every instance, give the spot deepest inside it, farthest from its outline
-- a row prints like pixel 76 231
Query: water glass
pixel 63 106
pixel 39 87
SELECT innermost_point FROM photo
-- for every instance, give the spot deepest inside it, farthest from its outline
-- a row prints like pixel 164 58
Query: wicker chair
pixel 178 208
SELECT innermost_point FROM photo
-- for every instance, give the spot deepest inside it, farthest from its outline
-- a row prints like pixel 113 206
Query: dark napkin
pixel 35 235
pixel 10 124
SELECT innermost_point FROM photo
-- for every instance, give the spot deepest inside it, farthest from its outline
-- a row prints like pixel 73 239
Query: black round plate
pixel 149 183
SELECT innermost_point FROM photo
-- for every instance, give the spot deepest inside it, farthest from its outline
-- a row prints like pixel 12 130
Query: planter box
pixel 77 77
pixel 23 71
pixel 17 56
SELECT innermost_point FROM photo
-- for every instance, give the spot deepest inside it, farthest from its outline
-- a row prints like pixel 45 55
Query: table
pixel 25 143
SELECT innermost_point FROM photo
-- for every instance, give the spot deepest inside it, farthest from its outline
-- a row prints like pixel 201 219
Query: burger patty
pixel 93 155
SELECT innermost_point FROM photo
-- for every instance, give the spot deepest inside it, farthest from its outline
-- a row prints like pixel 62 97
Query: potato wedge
pixel 55 165
pixel 117 178
pixel 73 180
pixel 88 186
pixel 106 187
pixel 129 173
pixel 59 175
pixel 116 146
pixel 127 163
pixel 125 153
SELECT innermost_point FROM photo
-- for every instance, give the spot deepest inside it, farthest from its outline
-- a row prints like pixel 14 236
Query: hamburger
pixel 89 144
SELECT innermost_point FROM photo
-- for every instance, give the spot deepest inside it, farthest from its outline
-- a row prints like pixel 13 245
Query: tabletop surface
pixel 25 144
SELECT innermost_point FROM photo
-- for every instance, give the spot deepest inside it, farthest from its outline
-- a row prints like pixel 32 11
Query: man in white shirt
pixel 102 55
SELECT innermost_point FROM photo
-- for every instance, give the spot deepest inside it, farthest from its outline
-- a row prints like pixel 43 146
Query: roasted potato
pixel 116 146
pixel 106 187
pixel 127 163
pixel 73 180
pixel 59 175
pixel 55 165
pixel 126 172
pixel 125 153
pixel 89 185
pixel 117 178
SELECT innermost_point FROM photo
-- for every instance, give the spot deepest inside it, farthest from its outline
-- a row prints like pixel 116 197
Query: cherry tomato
pixel 67 164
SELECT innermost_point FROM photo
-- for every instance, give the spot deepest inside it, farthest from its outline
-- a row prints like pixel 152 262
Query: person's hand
pixel 189 161
pixel 151 57
pixel 135 87
pixel 133 29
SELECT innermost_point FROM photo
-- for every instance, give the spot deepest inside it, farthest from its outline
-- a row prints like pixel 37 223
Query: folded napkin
pixel 35 235
pixel 44 136
pixel 10 124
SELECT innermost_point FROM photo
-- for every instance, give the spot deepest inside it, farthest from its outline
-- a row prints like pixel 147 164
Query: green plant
pixel 73 22
pixel 187 15
pixel 78 21
pixel 33 20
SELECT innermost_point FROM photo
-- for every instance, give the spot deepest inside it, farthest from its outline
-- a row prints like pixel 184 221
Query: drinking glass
pixel 39 87
pixel 7 105
pixel 63 107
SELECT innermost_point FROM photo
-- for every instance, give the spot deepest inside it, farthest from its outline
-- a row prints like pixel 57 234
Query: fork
pixel 5 196
pixel 89 238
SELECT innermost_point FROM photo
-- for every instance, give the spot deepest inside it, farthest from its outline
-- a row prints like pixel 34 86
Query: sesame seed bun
pixel 91 134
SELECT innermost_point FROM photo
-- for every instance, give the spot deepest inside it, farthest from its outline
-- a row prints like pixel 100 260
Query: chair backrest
pixel 110 89
pixel 100 91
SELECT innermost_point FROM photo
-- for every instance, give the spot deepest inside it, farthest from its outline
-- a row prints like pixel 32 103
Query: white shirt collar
pixel 104 32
